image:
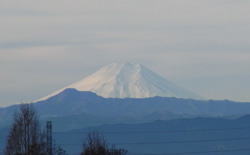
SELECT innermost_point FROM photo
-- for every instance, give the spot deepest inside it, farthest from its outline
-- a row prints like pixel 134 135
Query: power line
pixel 191 141
pixel 167 131
pixel 179 142
pixel 212 151
pixel 209 151
pixel 185 141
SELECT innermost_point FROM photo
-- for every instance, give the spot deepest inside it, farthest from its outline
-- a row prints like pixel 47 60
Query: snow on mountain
pixel 127 80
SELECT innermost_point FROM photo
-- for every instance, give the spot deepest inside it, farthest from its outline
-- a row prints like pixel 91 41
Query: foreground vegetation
pixel 26 137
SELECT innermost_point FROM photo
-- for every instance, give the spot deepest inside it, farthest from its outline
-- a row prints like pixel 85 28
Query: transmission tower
pixel 49 137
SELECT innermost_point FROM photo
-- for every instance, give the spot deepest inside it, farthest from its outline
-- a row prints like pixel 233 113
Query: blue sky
pixel 203 45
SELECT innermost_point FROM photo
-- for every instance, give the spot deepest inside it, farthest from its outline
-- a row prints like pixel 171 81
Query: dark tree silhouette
pixel 96 145
pixel 25 136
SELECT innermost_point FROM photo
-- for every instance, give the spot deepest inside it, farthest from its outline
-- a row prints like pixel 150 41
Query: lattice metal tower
pixel 49 137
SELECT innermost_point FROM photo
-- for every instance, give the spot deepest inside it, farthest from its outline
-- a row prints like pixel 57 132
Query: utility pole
pixel 49 137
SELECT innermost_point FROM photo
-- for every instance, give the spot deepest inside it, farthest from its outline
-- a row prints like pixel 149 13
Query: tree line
pixel 26 137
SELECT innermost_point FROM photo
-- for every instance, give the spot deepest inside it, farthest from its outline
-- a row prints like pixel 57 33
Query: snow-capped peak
pixel 122 80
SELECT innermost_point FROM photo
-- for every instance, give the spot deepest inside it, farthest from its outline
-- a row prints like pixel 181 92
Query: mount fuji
pixel 120 94
pixel 127 80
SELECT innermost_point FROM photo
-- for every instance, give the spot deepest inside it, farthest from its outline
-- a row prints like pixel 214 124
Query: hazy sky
pixel 202 45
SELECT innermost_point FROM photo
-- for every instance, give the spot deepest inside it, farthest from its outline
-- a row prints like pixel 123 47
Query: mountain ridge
pixel 82 109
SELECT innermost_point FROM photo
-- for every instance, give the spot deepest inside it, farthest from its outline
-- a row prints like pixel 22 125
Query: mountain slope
pixel 128 81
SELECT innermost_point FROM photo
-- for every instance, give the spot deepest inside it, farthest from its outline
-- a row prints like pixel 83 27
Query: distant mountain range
pixel 71 109
pixel 209 136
